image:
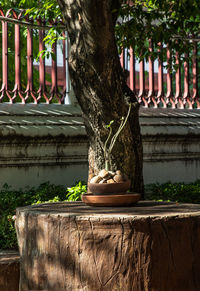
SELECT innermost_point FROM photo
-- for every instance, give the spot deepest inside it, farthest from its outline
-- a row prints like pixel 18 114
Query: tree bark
pixel 72 247
pixel 100 86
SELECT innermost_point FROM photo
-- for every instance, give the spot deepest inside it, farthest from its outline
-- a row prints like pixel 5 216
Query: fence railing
pixel 24 79
pixel 168 86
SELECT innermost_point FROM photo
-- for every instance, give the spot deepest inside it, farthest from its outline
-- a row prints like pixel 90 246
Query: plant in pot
pixel 107 181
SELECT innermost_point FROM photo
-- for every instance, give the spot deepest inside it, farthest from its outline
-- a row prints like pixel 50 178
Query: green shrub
pixel 177 192
pixel 7 233
pixel 10 200
pixel 74 193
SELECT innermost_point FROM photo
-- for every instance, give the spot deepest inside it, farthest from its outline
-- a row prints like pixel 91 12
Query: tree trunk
pixel 72 247
pixel 100 86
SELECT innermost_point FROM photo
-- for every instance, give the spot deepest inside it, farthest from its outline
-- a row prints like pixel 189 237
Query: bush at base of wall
pixel 10 200
pixel 176 192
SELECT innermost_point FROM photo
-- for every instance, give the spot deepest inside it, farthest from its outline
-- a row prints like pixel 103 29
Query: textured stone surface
pixel 96 179
pixel 9 271
pixel 43 141
pixel 110 181
pixel 148 247
pixel 118 178
pixel 103 173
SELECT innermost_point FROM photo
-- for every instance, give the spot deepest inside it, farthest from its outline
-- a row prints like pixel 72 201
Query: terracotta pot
pixel 113 188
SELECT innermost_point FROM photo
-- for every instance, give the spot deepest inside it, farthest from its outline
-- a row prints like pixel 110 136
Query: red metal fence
pixel 168 87
pixel 38 82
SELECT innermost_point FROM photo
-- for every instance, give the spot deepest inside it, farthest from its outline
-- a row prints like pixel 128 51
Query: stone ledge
pixel 143 209
pixel 9 270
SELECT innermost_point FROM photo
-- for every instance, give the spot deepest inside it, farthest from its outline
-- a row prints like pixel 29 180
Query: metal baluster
pixel 54 77
pixel 132 71
pixel 178 94
pixel 169 95
pixel 160 96
pixel 151 93
pixel 29 88
pixel 195 95
pixel 17 87
pixel 141 95
pixel 4 88
pixel 42 88
pixel 186 93
pixel 64 70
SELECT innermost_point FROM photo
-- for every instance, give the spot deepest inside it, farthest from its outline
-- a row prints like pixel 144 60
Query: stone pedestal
pixel 9 271
pixel 148 247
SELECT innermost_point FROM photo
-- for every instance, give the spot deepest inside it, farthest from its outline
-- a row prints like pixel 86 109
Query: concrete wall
pixel 171 145
pixel 42 143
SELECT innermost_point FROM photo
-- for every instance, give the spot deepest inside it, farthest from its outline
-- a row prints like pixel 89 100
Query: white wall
pixel 42 143
pixel 171 145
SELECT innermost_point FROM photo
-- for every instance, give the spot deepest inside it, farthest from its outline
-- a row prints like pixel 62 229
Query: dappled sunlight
pixel 70 246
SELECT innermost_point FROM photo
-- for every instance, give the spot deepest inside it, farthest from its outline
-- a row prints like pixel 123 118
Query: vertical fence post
pixel 169 95
pixel 54 78
pixel 178 94
pixel 17 88
pixel 195 94
pixel 160 96
pixel 186 93
pixel 64 69
pixel 68 99
pixel 132 71
pixel 4 88
pixel 141 95
pixel 151 93
pixel 29 88
pixel 42 79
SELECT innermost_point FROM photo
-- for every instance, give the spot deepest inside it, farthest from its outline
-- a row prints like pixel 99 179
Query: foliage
pixel 11 199
pixel 178 192
pixel 74 193
pixel 45 193
pixel 170 22
pixel 7 232
pixel 50 11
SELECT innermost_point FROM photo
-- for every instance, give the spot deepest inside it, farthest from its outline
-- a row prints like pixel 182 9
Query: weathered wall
pixel 42 143
pixel 171 143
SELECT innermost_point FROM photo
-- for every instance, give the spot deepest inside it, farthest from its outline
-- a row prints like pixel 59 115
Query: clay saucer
pixel 119 199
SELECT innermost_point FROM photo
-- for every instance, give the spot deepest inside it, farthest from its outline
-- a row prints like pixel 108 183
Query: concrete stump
pixel 9 271
pixel 149 247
